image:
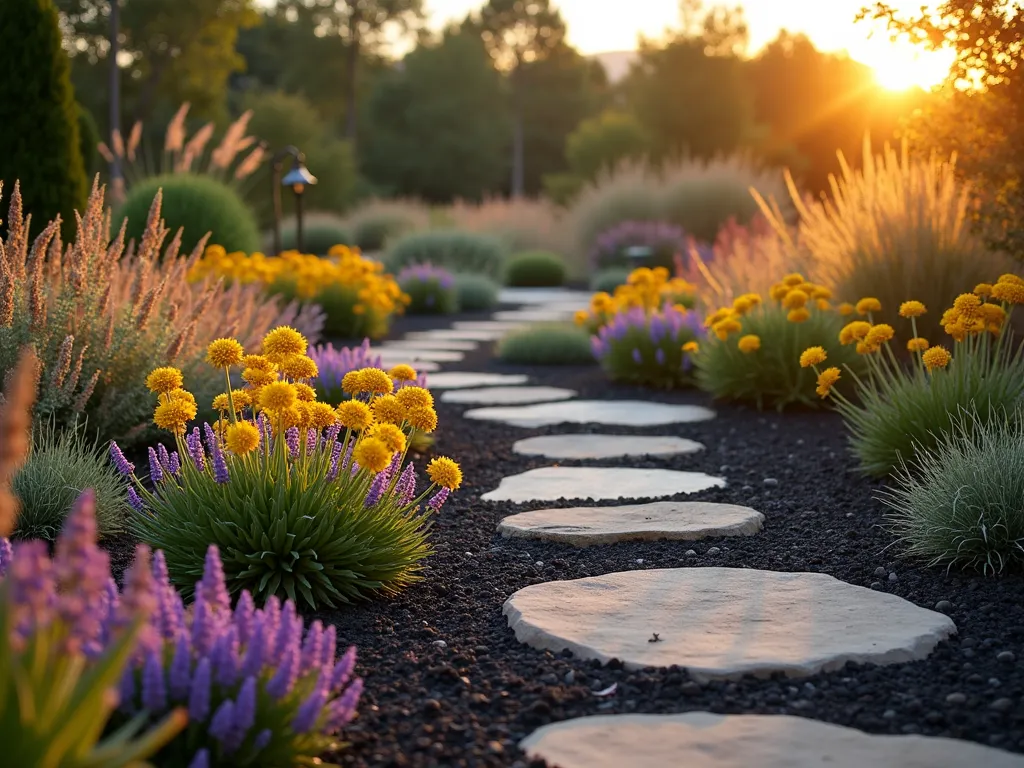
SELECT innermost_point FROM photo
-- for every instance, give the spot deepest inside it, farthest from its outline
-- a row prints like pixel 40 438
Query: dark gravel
pixel 447 684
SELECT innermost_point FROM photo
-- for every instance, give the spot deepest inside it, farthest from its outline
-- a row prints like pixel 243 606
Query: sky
pixel 598 26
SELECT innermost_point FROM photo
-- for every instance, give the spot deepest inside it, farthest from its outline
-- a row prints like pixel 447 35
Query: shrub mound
pixel 319 235
pixel 476 293
pixel 431 290
pixel 535 269
pixel 453 250
pixel 546 345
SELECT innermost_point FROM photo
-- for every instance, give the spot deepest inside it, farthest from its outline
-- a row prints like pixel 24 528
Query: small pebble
pixel 539 564
pixel 714 551
pixel 944 606
pixel 439 644
pixel 1001 705
pixel 690 688
pixel 639 561
pixel 994 682
pixel 724 468
pixel 892 577
pixel 770 482
pixel 876 585
pixel 747 488
pixel 1006 656
pixel 889 714
pixel 690 553
pixel 880 571
pixel 956 698
pixel 849 514
pixel 570 677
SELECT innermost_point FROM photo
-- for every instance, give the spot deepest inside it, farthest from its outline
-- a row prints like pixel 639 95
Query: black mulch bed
pixel 447 684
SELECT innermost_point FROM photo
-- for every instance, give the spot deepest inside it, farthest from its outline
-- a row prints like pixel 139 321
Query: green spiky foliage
pixel 535 268
pixel 38 115
pixel 198 204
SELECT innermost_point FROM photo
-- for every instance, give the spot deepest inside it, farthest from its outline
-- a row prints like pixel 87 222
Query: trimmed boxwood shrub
pixel 535 269
pixel 477 293
pixel 200 204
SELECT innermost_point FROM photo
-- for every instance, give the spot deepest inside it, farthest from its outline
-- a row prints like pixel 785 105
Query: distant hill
pixel 616 63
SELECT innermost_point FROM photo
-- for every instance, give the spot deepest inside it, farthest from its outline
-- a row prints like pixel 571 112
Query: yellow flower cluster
pixel 375 291
pixel 647 288
pixel 380 417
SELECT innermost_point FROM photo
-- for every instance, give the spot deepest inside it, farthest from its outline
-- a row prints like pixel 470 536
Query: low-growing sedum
pixel 961 501
pixel 431 290
pixel 66 639
pixel 751 349
pixel 911 394
pixel 304 500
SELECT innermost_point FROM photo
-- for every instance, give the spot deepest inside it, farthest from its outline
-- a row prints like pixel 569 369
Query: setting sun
pixel 900 65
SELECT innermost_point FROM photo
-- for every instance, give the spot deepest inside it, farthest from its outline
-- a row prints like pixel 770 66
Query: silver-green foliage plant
pixel 61 464
pixel 64 646
pixel 960 502
pixel 535 269
pixel 547 345
pixel 450 249
pixel 476 293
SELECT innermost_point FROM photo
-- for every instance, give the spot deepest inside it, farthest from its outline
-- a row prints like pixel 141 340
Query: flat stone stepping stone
pixel 724 622
pixel 454 333
pixel 503 326
pixel 457 345
pixel 706 740
pixel 598 483
pixel 467 379
pixel 541 295
pixel 539 315
pixel 673 520
pixel 507 395
pixel 411 354
pixel 592 446
pixel 619 413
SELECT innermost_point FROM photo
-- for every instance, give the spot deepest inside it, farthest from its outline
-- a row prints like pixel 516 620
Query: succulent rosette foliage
pixel 305 500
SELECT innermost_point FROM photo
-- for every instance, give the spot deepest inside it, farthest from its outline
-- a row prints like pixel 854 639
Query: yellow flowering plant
pixel 904 406
pixel 357 296
pixel 304 499
pixel 748 354
pixel 649 290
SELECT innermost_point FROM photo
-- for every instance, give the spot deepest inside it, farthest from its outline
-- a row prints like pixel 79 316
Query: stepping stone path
pixel 705 740
pixel 449 344
pixel 540 315
pixel 466 380
pixel 620 413
pixel 673 520
pixel 507 395
pixel 598 483
pixel 541 296
pixel 594 446
pixel 411 354
pixel 724 622
pixel 453 333
pixel 503 326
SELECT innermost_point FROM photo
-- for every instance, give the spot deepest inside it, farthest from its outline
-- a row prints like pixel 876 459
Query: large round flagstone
pixel 456 345
pixel 541 314
pixel 724 622
pixel 468 379
pixel 673 520
pixel 593 446
pixel 454 333
pixel 503 326
pixel 706 740
pixel 507 395
pixel 620 413
pixel 541 296
pixel 414 354
pixel 598 483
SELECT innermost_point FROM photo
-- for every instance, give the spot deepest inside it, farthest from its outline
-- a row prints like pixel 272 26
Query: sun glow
pixel 900 64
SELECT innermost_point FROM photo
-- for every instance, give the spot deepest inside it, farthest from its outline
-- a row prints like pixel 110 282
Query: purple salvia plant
pixel 164 456
pixel 135 500
pixel 6 554
pixel 334 363
pixel 438 499
pixel 82 570
pixel 156 472
pixel 199 693
pixel 179 675
pixel 154 687
pixel 174 464
pixel 291 437
pixel 33 588
pixel 405 488
pixel 122 464
pixel 662 238
pixel 195 449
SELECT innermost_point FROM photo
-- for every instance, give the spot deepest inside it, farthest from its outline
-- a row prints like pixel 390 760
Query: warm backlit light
pixel 900 65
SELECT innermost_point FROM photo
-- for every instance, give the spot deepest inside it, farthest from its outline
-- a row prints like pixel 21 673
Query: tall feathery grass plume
pixel 15 431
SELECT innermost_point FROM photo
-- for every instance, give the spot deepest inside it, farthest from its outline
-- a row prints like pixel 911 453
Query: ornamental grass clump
pixel 305 500
pixel 904 407
pixel 960 503
pixel 648 347
pixel 67 638
pixel 431 290
pixel 357 297
pixel 751 349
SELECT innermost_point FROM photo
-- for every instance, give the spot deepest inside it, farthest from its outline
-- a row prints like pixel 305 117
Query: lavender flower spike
pixel 154 687
pixel 222 725
pixel 438 499
pixel 156 472
pixel 262 740
pixel 199 696
pixel 405 488
pixel 309 711
pixel 343 709
pixel 6 553
pixel 179 674
pixel 212 586
pixel 122 464
pixel 245 709
pixel 135 500
pixel 195 449
pixel 164 456
pixel 201 759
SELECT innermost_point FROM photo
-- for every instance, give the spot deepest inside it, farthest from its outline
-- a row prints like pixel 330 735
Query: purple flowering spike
pixel 262 740
pixel 309 711
pixel 332 472
pixel 255 649
pixel 243 618
pixel 170 612
pixel 282 682
pixel 287 638
pixel 291 437
pixel 312 435
pixel 330 645
pixel 220 468
pixel 138 600
pixel 204 626
pixel 154 687
pixel 6 553
pixel 438 499
pixel 225 659
pixel 174 464
pixel 348 453
pixel 107 610
pixel 636 356
pixel 222 725
pixel 332 432
pixel 126 690
pixel 271 615
pixel 312 646
pixel 81 570
pixel 343 709
pixel 201 759
pixel 245 709
pixel 122 464
pixel 195 449
pixel 659 356
pixel 164 456
pixel 199 695
pixel 33 587
pixel 376 489
pixel 180 672
pixel 213 587
pixel 343 671
pixel 156 472
pixel 405 488
pixel 135 500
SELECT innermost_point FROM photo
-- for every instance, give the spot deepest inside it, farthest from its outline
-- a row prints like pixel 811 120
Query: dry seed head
pixel 133 140
pixel 118 143
pixel 108 336
pixel 63 364
pixel 76 371
pixel 83 397
pixel 105 152
pixel 174 139
pixel 15 425
pixel 149 243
